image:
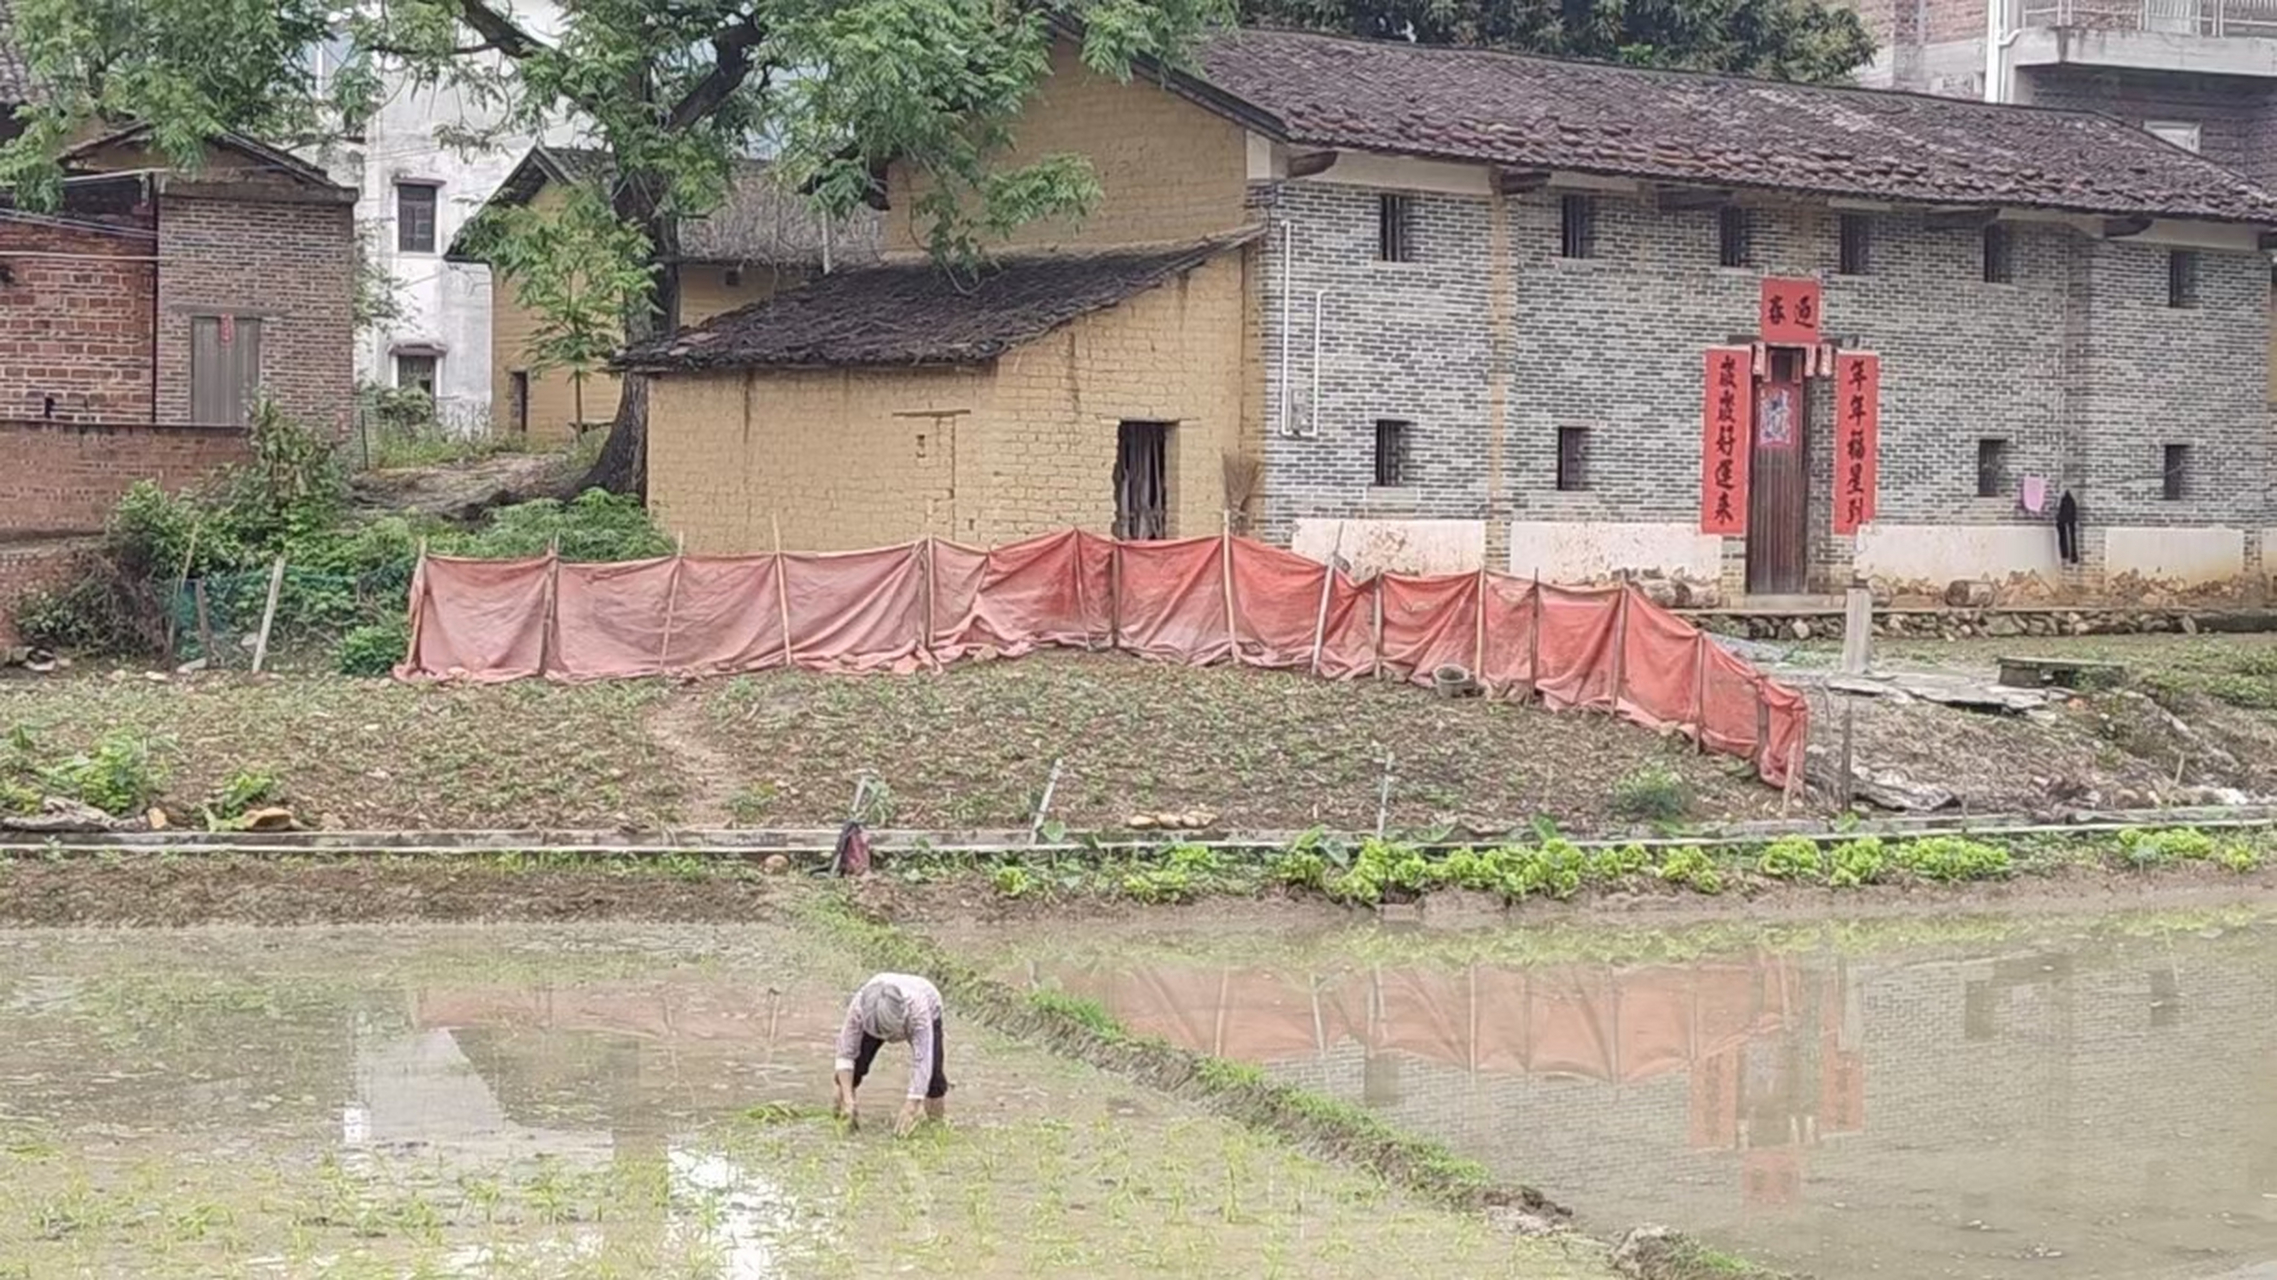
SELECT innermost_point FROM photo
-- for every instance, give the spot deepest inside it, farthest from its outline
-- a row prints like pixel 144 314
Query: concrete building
pixel 2201 74
pixel 415 190
pixel 1428 309
pixel 759 241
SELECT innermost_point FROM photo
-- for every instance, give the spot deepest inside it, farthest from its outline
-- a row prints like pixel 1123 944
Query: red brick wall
pixel 289 264
pixel 63 478
pixel 76 326
pixel 34 566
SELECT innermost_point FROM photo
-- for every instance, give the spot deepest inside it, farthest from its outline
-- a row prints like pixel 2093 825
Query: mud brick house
pixel 1430 309
pixel 761 240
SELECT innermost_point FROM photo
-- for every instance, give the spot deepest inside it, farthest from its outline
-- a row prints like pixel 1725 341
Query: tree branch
pixel 730 67
pixel 497 30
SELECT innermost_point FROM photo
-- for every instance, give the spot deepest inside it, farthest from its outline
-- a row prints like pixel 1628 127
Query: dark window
pixel 1142 481
pixel 732 277
pixel 1999 268
pixel 1857 244
pixel 225 369
pixel 518 398
pixel 1573 458
pixel 2182 277
pixel 1392 439
pixel 415 372
pixel 1992 467
pixel 1577 227
pixel 1395 228
pixel 2177 478
pixel 1735 235
pixel 415 217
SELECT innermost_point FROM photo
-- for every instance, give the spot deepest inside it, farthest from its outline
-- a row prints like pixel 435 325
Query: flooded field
pixel 1965 1098
pixel 605 1102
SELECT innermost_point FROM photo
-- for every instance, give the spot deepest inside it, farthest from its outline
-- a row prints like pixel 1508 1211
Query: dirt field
pixel 973 748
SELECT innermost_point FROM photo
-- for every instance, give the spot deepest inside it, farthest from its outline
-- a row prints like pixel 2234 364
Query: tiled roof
pixel 914 313
pixel 1536 113
pixel 761 221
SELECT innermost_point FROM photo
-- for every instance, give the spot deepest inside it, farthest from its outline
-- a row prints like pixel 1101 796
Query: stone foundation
pixel 1965 624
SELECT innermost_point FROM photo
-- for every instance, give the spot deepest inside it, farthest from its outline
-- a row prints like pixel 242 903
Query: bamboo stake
pixel 1478 621
pixel 1378 641
pixel 1225 570
pixel 549 627
pixel 1115 594
pixel 932 591
pixel 1700 692
pixel 268 614
pixel 1620 644
pixel 1044 806
pixel 671 600
pixel 182 580
pixel 782 586
pixel 1534 643
pixel 205 622
pixel 1327 578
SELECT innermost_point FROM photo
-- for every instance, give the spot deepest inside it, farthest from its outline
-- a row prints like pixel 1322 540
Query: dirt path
pixel 676 724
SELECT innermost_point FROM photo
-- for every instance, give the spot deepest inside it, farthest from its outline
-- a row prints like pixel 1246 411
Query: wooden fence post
pixel 671 602
pixel 1620 645
pixel 1327 580
pixel 1225 569
pixel 782 587
pixel 1534 643
pixel 1478 628
pixel 1700 691
pixel 932 592
pixel 268 614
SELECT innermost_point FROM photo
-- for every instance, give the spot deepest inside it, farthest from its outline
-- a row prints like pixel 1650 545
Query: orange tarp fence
pixel 1192 600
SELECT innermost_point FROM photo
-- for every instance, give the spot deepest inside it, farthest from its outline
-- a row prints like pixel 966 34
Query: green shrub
pixel 1611 865
pixel 1954 858
pixel 1381 869
pixel 1012 880
pixel 1855 863
pixel 17 797
pixel 375 648
pixel 2238 856
pixel 2157 848
pixel 244 791
pixel 90 615
pixel 1298 868
pixel 120 776
pixel 1653 793
pixel 1791 858
pixel 1553 868
pixel 1693 867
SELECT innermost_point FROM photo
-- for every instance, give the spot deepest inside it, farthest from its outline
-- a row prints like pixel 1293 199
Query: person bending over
pixel 896 1007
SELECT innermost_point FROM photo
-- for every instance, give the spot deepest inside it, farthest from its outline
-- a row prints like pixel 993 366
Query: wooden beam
pixel 2121 228
pixel 1310 163
pixel 1681 199
pixel 1958 219
pixel 1515 182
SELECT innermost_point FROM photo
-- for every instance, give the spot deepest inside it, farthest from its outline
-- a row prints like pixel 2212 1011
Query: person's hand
pixel 842 1104
pixel 911 1112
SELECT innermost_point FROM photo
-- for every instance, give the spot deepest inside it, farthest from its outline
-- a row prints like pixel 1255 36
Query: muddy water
pixel 1979 1098
pixel 579 1104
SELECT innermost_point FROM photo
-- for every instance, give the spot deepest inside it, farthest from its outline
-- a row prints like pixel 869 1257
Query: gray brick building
pixel 1456 309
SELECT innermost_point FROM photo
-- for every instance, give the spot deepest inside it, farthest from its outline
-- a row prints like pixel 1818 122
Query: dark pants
pixel 937 1088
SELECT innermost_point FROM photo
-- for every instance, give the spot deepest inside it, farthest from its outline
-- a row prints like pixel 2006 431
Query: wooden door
pixel 1779 472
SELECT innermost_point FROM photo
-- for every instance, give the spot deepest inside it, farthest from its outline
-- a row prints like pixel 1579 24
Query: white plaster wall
pixel 1938 554
pixel 1394 546
pixel 1594 550
pixel 2184 556
pixel 444 305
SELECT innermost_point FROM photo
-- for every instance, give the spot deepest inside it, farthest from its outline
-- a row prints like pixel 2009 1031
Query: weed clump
pixel 1951 859
pixel 120 775
pixel 1792 858
pixel 1653 793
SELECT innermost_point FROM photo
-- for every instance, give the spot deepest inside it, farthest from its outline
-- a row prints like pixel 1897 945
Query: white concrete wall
pixel 444 305
pixel 2174 555
pixel 1375 546
pixel 1573 551
pixel 1939 554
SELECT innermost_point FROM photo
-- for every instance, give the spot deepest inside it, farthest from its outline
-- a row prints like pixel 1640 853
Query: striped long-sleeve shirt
pixel 923 1002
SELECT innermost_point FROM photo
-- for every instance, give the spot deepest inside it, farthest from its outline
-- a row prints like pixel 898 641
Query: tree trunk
pixel 623 464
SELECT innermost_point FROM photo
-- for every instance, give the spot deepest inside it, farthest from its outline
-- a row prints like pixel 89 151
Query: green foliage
pixel 244 791
pixel 120 775
pixel 18 797
pixel 1186 872
pixel 1779 39
pixel 1791 858
pixel 1954 858
pixel 1012 880
pixel 374 648
pixel 1082 1011
pixel 577 269
pixel 1224 1074
pixel 751 805
pixel 1653 793
pixel 1382 868
pixel 593 526
pixel 1693 867
pixel 374 298
pixel 1859 862
pixel 88 615
pixel 1298 868
pixel 2238 856
pixel 2157 848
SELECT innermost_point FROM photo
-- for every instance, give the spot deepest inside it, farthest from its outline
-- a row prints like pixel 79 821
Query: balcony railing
pixel 2217 18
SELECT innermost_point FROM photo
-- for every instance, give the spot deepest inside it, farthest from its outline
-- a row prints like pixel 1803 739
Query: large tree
pixel 1782 39
pixel 674 90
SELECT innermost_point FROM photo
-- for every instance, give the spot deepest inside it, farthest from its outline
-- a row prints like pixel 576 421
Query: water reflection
pixel 2097 1104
